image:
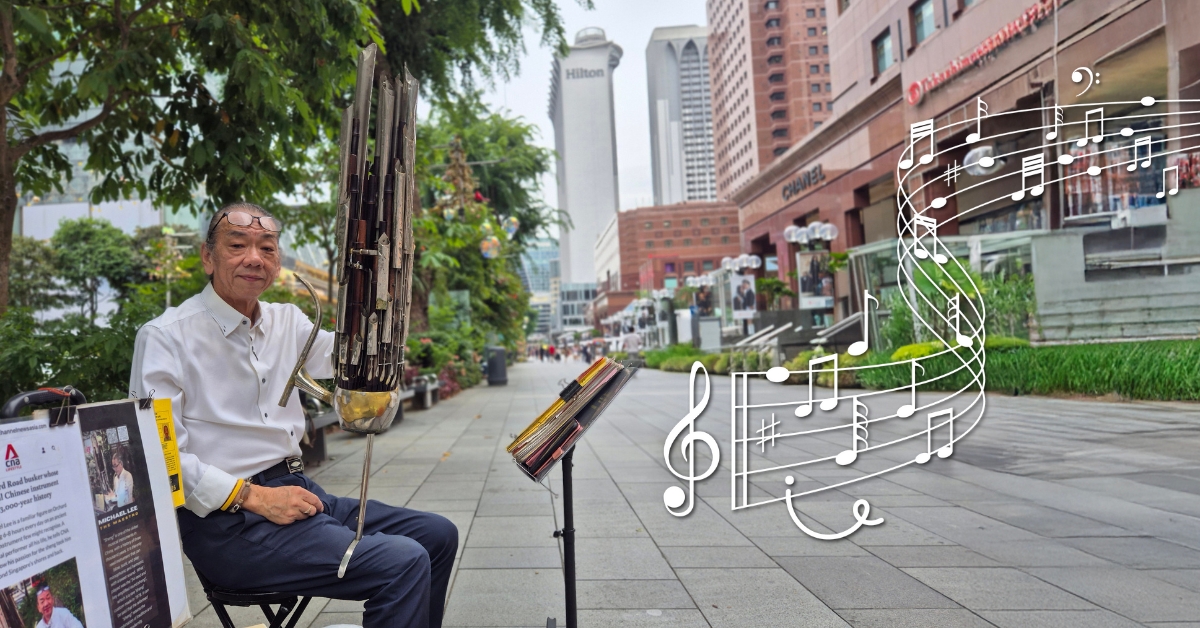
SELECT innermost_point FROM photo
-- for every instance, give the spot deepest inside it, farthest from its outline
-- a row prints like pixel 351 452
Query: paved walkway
pixel 1051 513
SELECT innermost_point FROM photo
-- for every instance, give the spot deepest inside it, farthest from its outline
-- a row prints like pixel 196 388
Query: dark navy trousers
pixel 401 567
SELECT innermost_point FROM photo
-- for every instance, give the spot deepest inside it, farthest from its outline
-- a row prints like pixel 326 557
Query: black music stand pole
pixel 568 536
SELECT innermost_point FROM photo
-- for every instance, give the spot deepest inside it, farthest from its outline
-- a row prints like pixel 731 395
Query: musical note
pixel 909 408
pixel 1030 166
pixel 930 229
pixel 1137 144
pixel 1087 120
pixel 1058 120
pixel 981 112
pixel 762 440
pixel 805 409
pixel 1174 190
pixel 946 450
pixel 674 497
pixel 951 178
pixel 859 425
pixel 956 321
pixel 917 132
pixel 860 347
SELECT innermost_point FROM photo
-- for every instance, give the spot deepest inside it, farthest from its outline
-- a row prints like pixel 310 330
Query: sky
pixel 628 23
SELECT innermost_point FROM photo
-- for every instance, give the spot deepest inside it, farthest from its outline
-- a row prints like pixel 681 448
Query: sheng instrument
pixel 376 199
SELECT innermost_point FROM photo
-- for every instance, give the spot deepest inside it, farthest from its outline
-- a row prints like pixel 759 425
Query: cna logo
pixel 12 461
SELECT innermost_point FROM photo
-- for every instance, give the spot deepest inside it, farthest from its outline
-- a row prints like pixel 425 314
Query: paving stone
pixel 1139 552
pixel 617 594
pixel 770 596
pixel 798 544
pixel 511 558
pixel 1040 553
pixel 505 597
pixel 1125 591
pixel 862 582
pixel 681 618
pixel 443 505
pixel 512 532
pixel 722 557
pixel 931 556
pixel 1042 520
pixel 619 559
pixel 1058 619
pixel 996 588
pixel 914 618
pixel 1186 578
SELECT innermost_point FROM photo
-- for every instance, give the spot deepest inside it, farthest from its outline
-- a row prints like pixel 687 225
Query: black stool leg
pixel 298 612
pixel 222 614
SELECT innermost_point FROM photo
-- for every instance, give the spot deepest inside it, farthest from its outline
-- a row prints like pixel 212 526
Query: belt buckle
pixel 295 465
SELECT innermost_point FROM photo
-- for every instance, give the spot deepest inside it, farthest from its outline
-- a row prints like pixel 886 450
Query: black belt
pixel 290 465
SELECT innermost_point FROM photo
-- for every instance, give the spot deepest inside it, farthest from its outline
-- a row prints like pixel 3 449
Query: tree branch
pixel 29 143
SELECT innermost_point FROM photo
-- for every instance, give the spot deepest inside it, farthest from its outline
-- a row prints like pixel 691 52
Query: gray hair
pixel 210 241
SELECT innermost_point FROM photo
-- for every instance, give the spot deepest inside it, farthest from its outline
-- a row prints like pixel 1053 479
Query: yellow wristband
pixel 237 488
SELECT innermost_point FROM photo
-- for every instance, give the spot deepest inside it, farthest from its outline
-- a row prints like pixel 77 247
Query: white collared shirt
pixel 224 375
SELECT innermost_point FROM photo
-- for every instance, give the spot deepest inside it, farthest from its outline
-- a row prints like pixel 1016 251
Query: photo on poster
pixel 109 464
pixel 816 282
pixel 745 301
pixel 49 599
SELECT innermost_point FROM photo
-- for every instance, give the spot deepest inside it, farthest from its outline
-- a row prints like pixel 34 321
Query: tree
pixel 171 96
pixel 314 221
pixel 773 288
pixel 32 276
pixel 447 42
pixel 90 251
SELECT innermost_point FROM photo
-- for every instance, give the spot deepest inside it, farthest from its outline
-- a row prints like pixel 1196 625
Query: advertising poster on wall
pixel 745 302
pixel 92 497
pixel 816 282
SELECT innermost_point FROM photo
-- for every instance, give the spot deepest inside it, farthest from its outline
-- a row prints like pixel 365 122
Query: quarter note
pixel 930 229
pixel 909 408
pixel 1058 120
pixel 1175 189
pixel 917 132
pixel 858 434
pixel 860 347
pixel 1137 145
pixel 945 451
pixel 956 322
pixel 1034 165
pixel 981 112
pixel 805 409
pixel 1087 120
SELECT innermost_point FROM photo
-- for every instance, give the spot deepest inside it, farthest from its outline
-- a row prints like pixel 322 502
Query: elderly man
pixel 54 616
pixel 252 520
pixel 122 491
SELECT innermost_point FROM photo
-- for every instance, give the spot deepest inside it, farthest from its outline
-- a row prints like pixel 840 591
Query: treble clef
pixel 674 497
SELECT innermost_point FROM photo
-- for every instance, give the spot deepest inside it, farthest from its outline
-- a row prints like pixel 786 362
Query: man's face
pixel 45 605
pixel 244 262
pixel 117 466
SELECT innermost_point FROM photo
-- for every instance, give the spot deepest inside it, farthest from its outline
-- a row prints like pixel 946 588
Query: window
pixel 827 68
pixel 882 47
pixel 771 4
pixel 775 59
pixel 687 241
pixel 822 11
pixel 817 124
pixel 812 50
pixel 777 96
pixel 922 20
pixel 812 32
pixel 687 223
pixel 668 243
pixel 708 264
pixel 829 87
pixel 775 78
pixel 824 30
pixel 779 115
pixel 843 5
pixel 666 223
pixel 814 69
pixel 649 244
pixel 669 267
pixel 689 267
pixel 816 106
pixel 779 151
pixel 703 222
pixel 825 49
pixel 779 133
pixel 649 225
pixel 773 23
pixel 810 13
pixel 724 220
pixel 724 239
pixel 774 41
pixel 816 88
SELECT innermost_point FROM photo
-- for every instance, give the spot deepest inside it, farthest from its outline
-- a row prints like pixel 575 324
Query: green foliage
pixel 63 580
pixel 897 329
pixel 33 276
pixel 619 356
pixel 800 364
pixel 846 379
pixel 1002 343
pixel 773 288
pixel 838 261
pixel 678 363
pixel 709 361
pixel 89 251
pixel 917 350
pixel 655 357
pixel 1010 303
pixel 721 367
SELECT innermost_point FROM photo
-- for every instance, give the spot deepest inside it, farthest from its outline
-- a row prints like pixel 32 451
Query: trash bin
pixel 497 368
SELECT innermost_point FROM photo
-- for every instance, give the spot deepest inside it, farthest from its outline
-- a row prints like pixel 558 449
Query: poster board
pixel 745 303
pixel 87 520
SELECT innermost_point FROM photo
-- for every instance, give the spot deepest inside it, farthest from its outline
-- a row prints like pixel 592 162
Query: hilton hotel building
pixel 1104 252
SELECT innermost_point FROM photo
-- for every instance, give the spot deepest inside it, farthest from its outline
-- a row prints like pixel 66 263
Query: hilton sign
pixel 583 73
pixel 803 182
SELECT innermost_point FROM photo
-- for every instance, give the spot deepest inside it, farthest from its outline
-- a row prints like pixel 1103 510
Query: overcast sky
pixel 628 23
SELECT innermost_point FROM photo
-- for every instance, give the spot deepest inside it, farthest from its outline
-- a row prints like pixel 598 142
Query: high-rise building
pixel 681 146
pixel 585 137
pixel 770 82
pixel 539 270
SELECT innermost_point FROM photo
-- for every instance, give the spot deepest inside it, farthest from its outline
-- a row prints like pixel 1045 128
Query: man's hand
pixel 282 504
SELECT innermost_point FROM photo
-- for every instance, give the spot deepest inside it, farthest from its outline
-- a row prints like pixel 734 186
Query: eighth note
pixel 806 408
pixel 1058 120
pixel 1137 144
pixel 930 229
pixel 1030 166
pixel 858 426
pixel 1087 120
pixel 917 132
pixel 945 451
pixel 1174 190
pixel 981 112
pixel 860 347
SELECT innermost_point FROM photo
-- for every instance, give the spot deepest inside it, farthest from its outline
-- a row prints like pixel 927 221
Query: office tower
pixel 681 145
pixel 770 82
pixel 581 107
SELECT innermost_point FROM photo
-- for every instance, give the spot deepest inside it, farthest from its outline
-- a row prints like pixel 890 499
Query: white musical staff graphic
pixel 763 432
pixel 1098 114
pixel 917 132
pixel 1137 145
pixel 1058 120
pixel 858 434
pixel 1174 189
pixel 1032 166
